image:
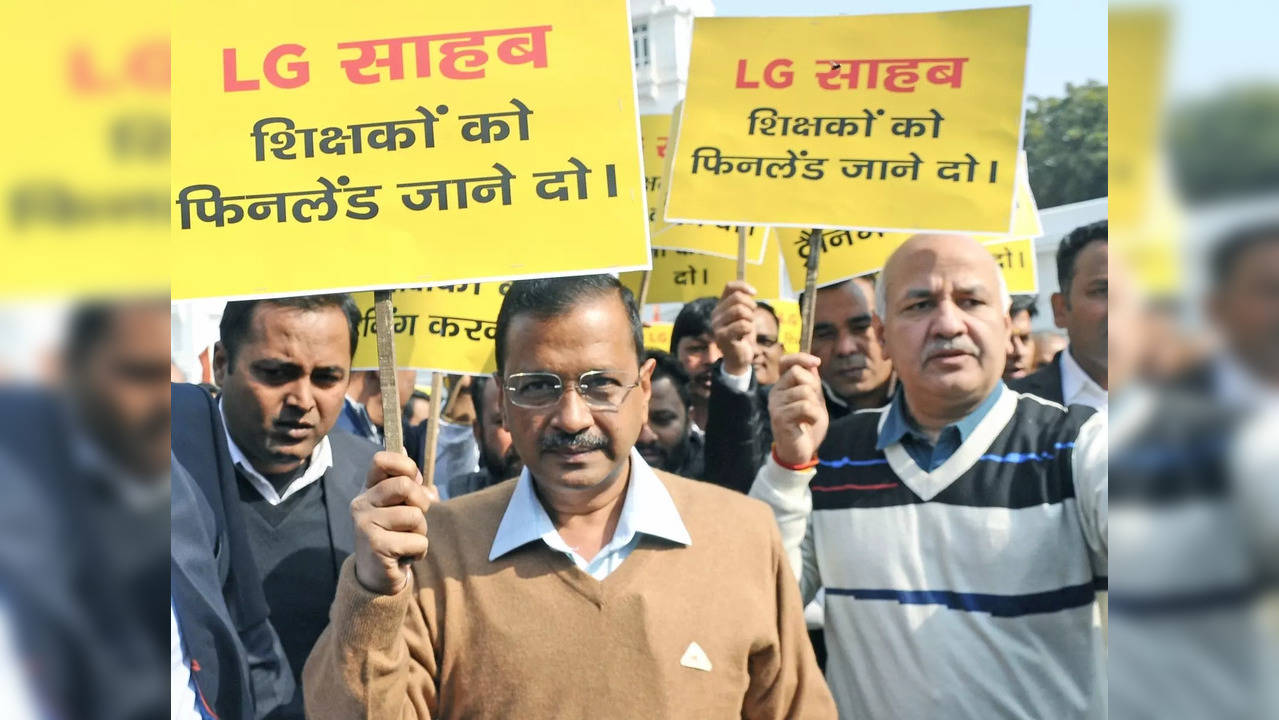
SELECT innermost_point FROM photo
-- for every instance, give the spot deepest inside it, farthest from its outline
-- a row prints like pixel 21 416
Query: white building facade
pixel 662 34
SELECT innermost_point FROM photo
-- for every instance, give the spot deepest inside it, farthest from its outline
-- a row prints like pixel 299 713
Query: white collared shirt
pixel 648 508
pixel 182 692
pixel 20 702
pixel 1077 388
pixel 1236 386
pixel 321 461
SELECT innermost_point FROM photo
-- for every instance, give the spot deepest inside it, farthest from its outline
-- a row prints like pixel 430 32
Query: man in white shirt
pixel 283 366
pixel 1244 304
pixel 1077 375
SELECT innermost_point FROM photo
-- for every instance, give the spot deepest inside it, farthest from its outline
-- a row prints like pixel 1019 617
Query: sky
pixel 1067 37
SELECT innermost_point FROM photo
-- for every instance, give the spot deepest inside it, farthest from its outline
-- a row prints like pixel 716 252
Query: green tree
pixel 1227 144
pixel 1066 145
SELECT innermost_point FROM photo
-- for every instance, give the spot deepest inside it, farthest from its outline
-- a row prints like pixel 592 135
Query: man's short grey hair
pixel 881 295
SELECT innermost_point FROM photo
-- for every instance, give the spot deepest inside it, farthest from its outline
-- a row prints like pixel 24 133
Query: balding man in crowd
pixel 959 531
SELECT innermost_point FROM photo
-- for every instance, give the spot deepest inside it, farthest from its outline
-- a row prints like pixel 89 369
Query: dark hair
pixel 1024 303
pixel 548 297
pixel 477 397
pixel 1070 247
pixel 90 322
pixel 238 316
pixel 669 367
pixel 694 319
pixel 1225 257
pixel 769 309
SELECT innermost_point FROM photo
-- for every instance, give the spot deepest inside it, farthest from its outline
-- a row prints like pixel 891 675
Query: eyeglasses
pixel 601 389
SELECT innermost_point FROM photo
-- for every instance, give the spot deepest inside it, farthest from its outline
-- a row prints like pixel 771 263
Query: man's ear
pixel 646 375
pixel 646 383
pixel 1060 307
pixel 221 364
pixel 878 325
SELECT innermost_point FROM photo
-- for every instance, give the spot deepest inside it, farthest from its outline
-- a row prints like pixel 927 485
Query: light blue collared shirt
pixel 899 426
pixel 648 508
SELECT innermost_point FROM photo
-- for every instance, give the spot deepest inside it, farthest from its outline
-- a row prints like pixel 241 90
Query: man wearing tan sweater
pixel 592 586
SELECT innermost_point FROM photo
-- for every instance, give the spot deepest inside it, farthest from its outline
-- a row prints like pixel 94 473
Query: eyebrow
pixel 274 363
pixel 918 294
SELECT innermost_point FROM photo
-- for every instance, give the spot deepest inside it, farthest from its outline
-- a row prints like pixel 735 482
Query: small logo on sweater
pixel 695 657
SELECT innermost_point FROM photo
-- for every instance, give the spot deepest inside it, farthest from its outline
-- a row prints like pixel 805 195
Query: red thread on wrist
pixel 804 466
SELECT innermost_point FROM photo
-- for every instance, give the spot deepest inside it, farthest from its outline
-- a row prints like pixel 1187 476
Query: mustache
pixel 855 361
pixel 960 343
pixel 583 441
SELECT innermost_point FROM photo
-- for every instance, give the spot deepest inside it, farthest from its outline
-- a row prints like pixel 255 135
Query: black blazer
pixel 92 641
pixel 200 553
pixel 1044 382
pixel 199 447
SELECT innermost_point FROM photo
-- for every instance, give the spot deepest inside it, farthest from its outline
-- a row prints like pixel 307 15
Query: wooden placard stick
pixel 433 427
pixel 392 429
pixel 643 293
pixel 810 289
pixel 741 252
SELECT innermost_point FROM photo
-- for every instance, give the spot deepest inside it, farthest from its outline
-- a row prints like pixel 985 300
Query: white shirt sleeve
pixel 1090 466
pixel 1253 459
pixel 787 493
pixel 19 701
pixel 182 699
pixel 740 383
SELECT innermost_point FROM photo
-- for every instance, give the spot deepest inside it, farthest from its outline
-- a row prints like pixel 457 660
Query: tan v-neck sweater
pixel 530 636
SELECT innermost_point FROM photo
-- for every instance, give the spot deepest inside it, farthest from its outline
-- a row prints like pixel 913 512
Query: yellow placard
pixel 790 326
pixel 851 253
pixel 681 276
pixel 449 328
pixel 718 240
pixel 657 336
pixel 654 134
pixel 844 253
pixel 893 122
pixel 405 145
pixel 721 240
pixel 1137 74
pixel 1146 217
pixel 85 176
pixel 1026 220
pixel 1016 260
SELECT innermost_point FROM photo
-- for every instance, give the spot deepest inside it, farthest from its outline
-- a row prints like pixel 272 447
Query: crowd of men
pixel 909 521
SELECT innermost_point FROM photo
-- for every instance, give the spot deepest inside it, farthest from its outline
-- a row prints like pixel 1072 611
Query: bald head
pixel 943 307
pixel 950 245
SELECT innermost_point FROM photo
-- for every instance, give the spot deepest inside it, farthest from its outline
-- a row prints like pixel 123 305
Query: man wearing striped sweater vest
pixel 960 530
pixel 592 586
